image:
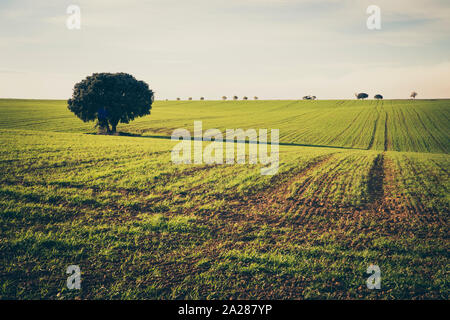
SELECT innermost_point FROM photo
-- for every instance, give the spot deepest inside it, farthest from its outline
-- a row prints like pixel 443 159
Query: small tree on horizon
pixel 235 98
pixel 413 94
pixel 110 98
pixel 190 98
pixel 378 97
pixel 361 95
pixel 245 98
pixel 202 98
pixel 224 98
pixel 255 97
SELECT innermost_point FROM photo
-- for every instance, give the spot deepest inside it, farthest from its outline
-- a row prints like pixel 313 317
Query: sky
pixel 274 49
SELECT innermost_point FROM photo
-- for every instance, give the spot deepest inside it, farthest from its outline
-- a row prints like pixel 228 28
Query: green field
pixel 359 183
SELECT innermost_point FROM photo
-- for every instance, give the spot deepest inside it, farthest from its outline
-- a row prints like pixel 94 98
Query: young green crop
pixel 141 227
pixel 399 125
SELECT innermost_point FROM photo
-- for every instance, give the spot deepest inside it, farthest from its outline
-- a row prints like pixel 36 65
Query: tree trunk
pixel 114 126
pixel 103 125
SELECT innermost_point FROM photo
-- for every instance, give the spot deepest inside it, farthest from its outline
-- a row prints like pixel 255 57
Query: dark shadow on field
pixel 127 134
pixel 376 178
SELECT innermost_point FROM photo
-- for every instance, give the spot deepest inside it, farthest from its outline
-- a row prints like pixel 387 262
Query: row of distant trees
pixel 378 96
pixel 359 96
pixel 223 98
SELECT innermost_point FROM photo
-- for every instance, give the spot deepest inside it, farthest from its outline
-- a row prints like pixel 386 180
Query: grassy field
pixel 359 183
pixel 389 125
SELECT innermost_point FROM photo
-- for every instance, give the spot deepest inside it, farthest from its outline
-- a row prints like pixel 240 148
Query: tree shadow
pixel 136 135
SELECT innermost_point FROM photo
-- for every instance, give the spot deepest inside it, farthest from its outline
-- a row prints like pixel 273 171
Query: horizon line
pixel 249 100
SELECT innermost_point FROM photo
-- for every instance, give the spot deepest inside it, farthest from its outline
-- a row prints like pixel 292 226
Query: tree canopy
pixel 361 95
pixel 110 98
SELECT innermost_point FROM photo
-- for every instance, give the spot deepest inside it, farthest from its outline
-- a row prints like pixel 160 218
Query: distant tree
pixel 361 95
pixel 313 97
pixel 255 97
pixel 178 99
pixel 306 98
pixel 378 97
pixel 413 94
pixel 110 98
pixel 202 98
pixel 190 98
pixel 245 98
pixel 235 98
pixel 224 98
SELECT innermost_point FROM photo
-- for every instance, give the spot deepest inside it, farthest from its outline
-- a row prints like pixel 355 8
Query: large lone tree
pixel 110 98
